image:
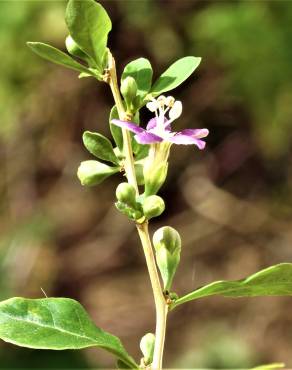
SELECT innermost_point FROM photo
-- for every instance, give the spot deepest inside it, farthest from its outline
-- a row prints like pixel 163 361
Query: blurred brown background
pixel 231 203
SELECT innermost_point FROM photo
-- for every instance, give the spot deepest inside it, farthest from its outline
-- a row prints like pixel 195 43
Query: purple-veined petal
pixel 151 124
pixel 198 133
pixel 182 139
pixel 148 138
pixel 128 125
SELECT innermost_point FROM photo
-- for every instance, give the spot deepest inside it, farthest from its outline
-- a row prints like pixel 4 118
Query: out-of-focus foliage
pixel 231 204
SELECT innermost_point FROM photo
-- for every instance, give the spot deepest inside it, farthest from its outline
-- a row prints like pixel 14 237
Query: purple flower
pixel 159 128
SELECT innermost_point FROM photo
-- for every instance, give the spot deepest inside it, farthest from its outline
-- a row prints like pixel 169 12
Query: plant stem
pixel 160 303
pixel 127 147
pixel 159 299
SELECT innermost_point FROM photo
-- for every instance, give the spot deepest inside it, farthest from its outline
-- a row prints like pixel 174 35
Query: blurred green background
pixel 231 203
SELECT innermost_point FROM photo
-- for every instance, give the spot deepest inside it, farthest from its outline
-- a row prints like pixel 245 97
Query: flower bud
pixel 153 206
pixel 126 193
pixel 147 344
pixel 93 172
pixel 167 245
pixel 129 90
pixel 73 48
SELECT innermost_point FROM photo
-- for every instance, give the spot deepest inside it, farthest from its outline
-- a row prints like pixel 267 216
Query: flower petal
pixel 198 133
pixel 148 138
pixel 151 124
pixel 180 138
pixel 128 125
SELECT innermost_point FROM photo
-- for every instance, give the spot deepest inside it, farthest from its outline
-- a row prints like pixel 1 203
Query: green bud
pixel 73 48
pixel 153 206
pixel 93 172
pixel 167 245
pixel 129 90
pixel 133 213
pixel 147 344
pixel 126 193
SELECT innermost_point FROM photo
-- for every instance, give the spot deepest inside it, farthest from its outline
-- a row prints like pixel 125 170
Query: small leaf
pixel 115 130
pixel 278 365
pixel 57 324
pixel 92 173
pixel 175 75
pixel 141 70
pixel 272 281
pixel 57 56
pixel 99 146
pixel 89 25
pixel 122 365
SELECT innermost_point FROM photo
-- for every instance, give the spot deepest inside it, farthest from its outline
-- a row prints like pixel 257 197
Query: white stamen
pixel 161 100
pixel 152 105
pixel 175 111
pixel 169 101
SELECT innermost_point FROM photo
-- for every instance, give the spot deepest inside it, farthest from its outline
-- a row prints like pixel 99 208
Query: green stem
pixel 159 299
pixel 127 146
pixel 160 303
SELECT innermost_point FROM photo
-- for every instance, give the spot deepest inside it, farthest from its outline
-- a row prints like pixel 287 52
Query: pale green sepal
pixel 89 25
pixel 147 344
pixel 272 281
pixel 99 146
pixel 56 324
pixel 154 177
pixel 57 56
pixel 92 172
pixel 74 49
pixel 175 75
pixel 126 193
pixel 129 91
pixel 153 206
pixel 167 245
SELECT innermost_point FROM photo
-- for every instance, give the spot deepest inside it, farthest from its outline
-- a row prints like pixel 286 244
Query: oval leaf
pixel 55 323
pixel 272 281
pixel 141 70
pixel 99 146
pixel 92 173
pixel 175 75
pixel 57 56
pixel 89 25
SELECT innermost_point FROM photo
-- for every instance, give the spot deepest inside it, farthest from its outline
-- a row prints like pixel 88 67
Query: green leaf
pixel 89 25
pixel 92 173
pixel 99 146
pixel 175 75
pixel 272 281
pixel 55 323
pixel 57 56
pixel 279 365
pixel 141 70
pixel 116 131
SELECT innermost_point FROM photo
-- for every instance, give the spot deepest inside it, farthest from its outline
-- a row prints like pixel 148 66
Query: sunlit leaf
pixel 55 323
pixel 272 281
pixel 99 146
pixel 89 25
pixel 175 75
pixel 57 56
